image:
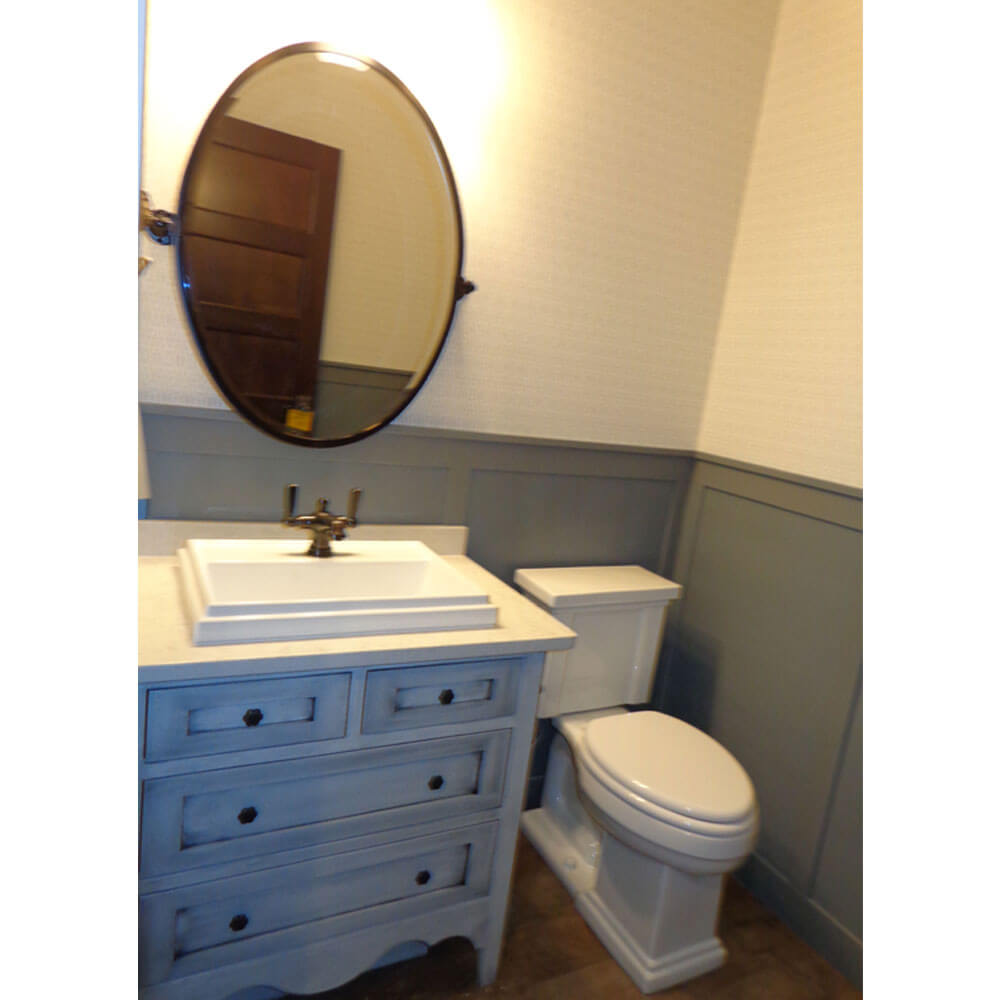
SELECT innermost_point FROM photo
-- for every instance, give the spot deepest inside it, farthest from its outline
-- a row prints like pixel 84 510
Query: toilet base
pixel 569 864
pixel 656 921
pixel 649 972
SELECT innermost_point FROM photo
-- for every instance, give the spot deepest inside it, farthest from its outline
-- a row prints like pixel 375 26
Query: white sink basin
pixel 249 590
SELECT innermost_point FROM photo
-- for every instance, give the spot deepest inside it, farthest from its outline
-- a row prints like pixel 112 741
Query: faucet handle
pixel 290 491
pixel 352 505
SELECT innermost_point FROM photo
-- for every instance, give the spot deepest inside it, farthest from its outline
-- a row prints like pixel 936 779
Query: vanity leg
pixel 487 961
pixel 488 957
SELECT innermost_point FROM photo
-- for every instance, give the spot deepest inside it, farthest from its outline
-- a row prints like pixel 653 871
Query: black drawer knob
pixel 447 696
pixel 247 815
pixel 436 782
pixel 252 716
pixel 423 877
pixel 238 922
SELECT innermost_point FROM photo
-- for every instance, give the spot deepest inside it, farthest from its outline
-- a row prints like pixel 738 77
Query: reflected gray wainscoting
pixel 352 396
pixel 763 651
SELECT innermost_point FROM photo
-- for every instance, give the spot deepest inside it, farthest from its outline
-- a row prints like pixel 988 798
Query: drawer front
pixel 191 820
pixel 244 715
pixel 184 931
pixel 413 697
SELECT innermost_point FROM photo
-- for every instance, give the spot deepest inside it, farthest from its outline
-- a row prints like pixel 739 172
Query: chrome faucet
pixel 321 522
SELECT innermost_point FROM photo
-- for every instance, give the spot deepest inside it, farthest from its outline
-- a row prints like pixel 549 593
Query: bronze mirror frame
pixel 462 287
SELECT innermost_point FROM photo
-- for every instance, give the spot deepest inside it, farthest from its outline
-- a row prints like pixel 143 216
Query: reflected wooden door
pixel 257 221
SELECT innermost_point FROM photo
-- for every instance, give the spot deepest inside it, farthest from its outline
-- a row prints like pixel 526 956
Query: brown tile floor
pixel 551 954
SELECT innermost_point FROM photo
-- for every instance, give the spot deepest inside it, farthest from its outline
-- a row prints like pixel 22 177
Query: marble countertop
pixel 166 652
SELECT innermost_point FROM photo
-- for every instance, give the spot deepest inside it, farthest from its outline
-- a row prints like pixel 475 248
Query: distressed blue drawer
pixel 413 697
pixel 205 926
pixel 244 715
pixel 191 820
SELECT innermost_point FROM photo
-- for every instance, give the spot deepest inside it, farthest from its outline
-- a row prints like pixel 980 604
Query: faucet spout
pixel 323 525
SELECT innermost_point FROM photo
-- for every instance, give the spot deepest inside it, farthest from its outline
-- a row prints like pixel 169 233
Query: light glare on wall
pixel 449 54
pixel 453 62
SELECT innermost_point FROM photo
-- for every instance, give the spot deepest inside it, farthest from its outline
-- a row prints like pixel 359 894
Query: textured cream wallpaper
pixel 785 386
pixel 600 151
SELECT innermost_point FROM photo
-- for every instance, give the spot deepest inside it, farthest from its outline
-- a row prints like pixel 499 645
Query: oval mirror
pixel 319 245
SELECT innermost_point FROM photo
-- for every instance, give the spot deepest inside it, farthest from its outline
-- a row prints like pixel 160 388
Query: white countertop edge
pixel 166 652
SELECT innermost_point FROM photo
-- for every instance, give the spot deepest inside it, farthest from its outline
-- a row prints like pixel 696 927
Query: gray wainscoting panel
pixel 762 652
pixel 208 465
pixel 230 488
pixel 771 627
pixel 804 917
pixel 520 519
pixel 526 503
pixel 837 885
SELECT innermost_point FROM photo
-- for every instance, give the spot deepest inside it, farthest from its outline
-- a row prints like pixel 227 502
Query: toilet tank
pixel 617 613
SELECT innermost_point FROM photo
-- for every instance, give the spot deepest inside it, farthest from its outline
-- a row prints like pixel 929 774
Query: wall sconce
pixel 158 223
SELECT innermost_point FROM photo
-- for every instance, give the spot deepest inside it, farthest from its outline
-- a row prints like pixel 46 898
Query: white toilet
pixel 642 814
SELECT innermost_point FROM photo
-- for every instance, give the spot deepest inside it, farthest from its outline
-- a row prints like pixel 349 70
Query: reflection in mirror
pixel 320 245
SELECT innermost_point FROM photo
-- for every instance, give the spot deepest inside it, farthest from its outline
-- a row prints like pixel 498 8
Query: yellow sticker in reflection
pixel 299 420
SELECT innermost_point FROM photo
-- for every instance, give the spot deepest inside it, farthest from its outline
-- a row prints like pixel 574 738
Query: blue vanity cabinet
pixel 299 827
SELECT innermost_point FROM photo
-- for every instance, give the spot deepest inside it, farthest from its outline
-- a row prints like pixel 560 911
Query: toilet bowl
pixel 642 814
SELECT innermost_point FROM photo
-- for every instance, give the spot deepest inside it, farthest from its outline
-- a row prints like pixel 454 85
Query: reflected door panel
pixel 258 221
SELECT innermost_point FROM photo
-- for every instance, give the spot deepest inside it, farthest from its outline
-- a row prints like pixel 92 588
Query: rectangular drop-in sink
pixel 258 590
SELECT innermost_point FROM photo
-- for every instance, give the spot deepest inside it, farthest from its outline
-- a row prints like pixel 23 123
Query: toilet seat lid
pixel 671 764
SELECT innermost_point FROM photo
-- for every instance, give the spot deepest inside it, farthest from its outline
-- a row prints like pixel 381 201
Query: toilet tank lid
pixel 579 586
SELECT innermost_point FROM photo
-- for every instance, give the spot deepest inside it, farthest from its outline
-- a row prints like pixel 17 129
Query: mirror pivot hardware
pixel 323 525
